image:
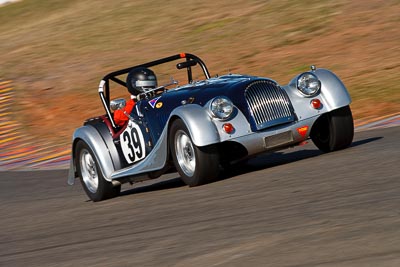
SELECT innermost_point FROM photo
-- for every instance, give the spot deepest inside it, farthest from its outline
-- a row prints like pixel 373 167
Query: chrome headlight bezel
pixel 308 84
pixel 221 107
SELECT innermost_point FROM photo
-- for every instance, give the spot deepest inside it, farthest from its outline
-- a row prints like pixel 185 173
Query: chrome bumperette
pixel 71 171
pixel 268 104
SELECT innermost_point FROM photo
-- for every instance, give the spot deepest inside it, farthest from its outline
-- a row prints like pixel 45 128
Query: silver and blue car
pixel 204 124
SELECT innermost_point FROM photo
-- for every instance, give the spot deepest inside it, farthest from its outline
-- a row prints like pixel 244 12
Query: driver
pixel 139 80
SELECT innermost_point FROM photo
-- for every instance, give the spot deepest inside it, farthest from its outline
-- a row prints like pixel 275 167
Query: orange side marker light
pixel 303 131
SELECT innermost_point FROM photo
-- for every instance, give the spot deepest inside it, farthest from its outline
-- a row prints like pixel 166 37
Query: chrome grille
pixel 268 104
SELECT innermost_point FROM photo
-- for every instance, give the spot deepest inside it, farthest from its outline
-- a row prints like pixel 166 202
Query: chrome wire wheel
pixel 89 171
pixel 185 153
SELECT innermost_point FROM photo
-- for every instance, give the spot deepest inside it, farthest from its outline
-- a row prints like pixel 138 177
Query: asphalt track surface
pixel 295 208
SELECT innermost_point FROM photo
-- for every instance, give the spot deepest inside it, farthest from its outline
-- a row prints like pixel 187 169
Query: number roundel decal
pixel 132 143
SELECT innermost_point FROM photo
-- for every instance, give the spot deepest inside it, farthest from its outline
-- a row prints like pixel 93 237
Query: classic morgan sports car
pixel 204 124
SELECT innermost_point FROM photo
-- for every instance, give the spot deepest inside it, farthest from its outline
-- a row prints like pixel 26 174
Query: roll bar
pixel 104 87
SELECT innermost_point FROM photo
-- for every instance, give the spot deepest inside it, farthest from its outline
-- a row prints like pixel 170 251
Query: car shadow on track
pixel 268 160
pixel 278 158
pixel 155 186
pixel 365 141
pixel 260 162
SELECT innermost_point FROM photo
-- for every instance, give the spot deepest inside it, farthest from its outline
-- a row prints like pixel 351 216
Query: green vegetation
pixel 56 51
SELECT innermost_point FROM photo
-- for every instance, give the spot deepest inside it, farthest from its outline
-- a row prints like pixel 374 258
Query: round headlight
pixel 308 84
pixel 221 107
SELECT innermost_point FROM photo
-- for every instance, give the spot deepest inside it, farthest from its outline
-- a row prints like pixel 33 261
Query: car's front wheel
pixel 196 165
pixel 333 130
pixel 96 187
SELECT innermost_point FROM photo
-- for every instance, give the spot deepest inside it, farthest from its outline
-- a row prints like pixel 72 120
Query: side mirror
pixel 118 103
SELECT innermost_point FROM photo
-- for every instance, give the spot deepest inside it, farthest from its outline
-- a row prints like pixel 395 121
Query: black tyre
pixel 334 130
pixel 196 165
pixel 96 187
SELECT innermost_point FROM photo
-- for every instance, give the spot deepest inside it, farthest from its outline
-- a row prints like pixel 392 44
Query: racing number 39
pixel 132 143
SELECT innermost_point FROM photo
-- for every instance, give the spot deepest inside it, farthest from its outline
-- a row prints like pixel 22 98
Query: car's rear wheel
pixel 196 165
pixel 96 187
pixel 333 130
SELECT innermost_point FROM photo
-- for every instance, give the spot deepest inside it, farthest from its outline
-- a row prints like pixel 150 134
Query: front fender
pixel 333 95
pixel 199 123
pixel 333 91
pixel 93 139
